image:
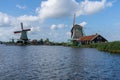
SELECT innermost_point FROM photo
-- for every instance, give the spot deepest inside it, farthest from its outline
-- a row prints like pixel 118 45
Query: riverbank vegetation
pixel 37 42
pixel 113 47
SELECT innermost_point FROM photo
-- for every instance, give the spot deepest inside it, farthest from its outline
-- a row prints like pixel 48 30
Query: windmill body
pixel 23 37
pixel 76 32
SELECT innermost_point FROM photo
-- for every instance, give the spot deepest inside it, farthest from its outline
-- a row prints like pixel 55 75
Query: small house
pixel 92 39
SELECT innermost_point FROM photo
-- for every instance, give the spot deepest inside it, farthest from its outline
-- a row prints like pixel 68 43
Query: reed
pixel 113 47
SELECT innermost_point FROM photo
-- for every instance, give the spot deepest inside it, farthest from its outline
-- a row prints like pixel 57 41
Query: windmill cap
pixel 77 26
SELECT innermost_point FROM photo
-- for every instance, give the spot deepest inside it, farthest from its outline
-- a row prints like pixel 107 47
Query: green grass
pixel 113 47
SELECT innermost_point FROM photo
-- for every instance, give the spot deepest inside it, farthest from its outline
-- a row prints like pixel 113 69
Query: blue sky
pixel 53 19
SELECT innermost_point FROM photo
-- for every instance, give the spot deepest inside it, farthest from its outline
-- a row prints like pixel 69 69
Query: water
pixel 57 63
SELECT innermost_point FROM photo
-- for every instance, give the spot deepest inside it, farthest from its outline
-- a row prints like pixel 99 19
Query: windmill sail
pixel 21 25
pixel 74 20
pixel 26 29
pixel 17 32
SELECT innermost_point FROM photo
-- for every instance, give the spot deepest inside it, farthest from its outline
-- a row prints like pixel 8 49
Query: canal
pixel 57 63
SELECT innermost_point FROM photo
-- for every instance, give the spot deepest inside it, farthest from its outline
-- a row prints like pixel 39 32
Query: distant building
pixel 92 39
pixel 34 42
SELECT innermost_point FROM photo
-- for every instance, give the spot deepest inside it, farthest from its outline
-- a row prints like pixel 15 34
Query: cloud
pixel 56 9
pixel 65 8
pixel 28 18
pixel 109 4
pixel 8 25
pixel 89 7
pixel 35 30
pixel 68 34
pixel 53 27
pixel 21 7
pixel 6 33
pixel 4 19
pixel 59 26
pixel 83 23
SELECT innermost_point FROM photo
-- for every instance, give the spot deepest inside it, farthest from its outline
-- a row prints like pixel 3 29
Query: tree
pixel 41 41
pixel 47 42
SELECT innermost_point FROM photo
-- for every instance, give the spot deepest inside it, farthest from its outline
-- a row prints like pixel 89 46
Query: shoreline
pixel 112 47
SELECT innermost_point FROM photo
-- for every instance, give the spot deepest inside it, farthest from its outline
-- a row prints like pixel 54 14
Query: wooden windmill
pixel 76 31
pixel 23 32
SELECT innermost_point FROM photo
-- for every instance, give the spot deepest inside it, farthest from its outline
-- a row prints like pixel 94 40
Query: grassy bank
pixel 113 47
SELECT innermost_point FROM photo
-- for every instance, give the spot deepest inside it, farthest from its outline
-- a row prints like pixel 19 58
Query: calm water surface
pixel 57 63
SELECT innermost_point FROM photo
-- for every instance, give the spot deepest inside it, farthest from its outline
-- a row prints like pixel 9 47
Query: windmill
pixel 23 37
pixel 76 31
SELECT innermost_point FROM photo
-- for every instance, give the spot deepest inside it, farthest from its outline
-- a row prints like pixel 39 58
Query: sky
pixel 53 19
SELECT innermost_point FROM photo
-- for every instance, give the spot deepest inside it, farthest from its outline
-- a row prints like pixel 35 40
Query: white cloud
pixel 21 7
pixel 28 18
pixel 35 29
pixel 59 26
pixel 8 24
pixel 63 8
pixel 109 4
pixel 83 23
pixel 53 27
pixel 89 7
pixel 68 33
pixel 55 8
pixel 4 19
pixel 6 33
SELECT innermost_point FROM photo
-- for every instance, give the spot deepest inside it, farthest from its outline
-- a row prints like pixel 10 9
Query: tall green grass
pixel 113 47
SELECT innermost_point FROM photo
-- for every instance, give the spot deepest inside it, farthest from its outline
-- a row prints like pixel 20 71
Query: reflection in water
pixel 57 63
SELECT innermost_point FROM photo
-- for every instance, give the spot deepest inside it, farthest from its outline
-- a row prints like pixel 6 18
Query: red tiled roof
pixel 87 38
